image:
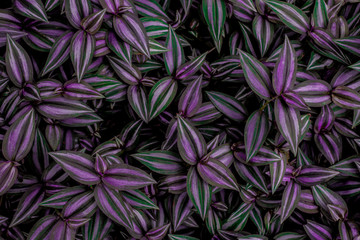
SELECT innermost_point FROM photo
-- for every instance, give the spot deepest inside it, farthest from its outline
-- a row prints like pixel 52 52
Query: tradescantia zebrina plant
pixel 179 120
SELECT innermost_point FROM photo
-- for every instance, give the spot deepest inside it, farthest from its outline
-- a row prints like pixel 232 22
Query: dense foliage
pixel 180 119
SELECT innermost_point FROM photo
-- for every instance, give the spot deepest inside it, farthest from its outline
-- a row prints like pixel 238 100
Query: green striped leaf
pixel 277 173
pixel 162 162
pixel 175 57
pixel 161 96
pixel 288 122
pixel 214 12
pixel 290 199
pixel 320 14
pixel 228 105
pixel 252 175
pixel 199 192
pixel 239 217
pixel 256 74
pixel 112 204
pixel 263 31
pixel 81 52
pixel 155 27
pixel 137 99
pixel 138 199
pixel 190 142
pixel 256 130
pixel 217 174
pixel 59 53
pixel 98 227
pixel 290 15
pixel 58 200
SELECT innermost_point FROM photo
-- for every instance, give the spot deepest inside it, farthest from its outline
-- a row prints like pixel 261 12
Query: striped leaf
pixel 324 197
pixel 138 199
pixel 33 9
pixel 79 166
pixel 156 47
pixel 188 69
pixel 63 108
pixel 112 204
pixel 158 232
pixel 347 167
pixel 80 207
pixel 288 122
pixel 256 130
pixel 28 204
pixel 320 14
pixel 8 175
pixel 316 93
pixel 42 228
pixel 76 11
pixel 323 43
pixel 98 227
pixel 217 174
pixel 214 12
pixel 228 105
pixel 81 52
pixel 131 30
pixel 181 209
pixel 161 96
pixel 19 138
pixel 181 237
pixel 330 145
pixel 59 53
pixel 325 120
pixel 350 44
pixel 128 73
pixel 199 192
pixel 150 8
pixel 162 162
pixel 122 50
pixel 190 142
pixel 174 58
pixel 155 27
pixel 92 23
pixel 137 99
pixel 191 99
pixel 285 69
pixel 58 200
pixel 355 66
pixel 290 15
pixel 207 113
pixel 252 175
pixel 257 75
pixel 113 89
pixel 277 173
pixel 126 177
pixel 80 91
pixel 290 199
pixel 311 175
pixel 239 217
pixel 263 31
pixel 294 100
pixel 18 64
pixel 346 97
pixel 289 235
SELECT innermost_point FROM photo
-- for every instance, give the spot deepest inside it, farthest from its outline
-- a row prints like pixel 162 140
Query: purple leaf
pixel 126 177
pixel 190 142
pixel 18 64
pixel 288 122
pixel 217 174
pixel 285 69
pixel 256 130
pixel 79 166
pixel 81 52
pixel 8 175
pixel 19 138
